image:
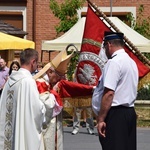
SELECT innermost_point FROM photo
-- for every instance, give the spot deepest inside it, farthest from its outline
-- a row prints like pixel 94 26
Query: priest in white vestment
pixel 21 111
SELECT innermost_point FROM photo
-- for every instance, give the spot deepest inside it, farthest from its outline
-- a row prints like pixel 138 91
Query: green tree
pixel 141 25
pixel 66 12
pixel 71 68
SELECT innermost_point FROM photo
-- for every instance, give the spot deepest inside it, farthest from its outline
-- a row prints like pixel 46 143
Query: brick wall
pixel 126 3
pixel 42 27
pixel 29 20
pixel 46 21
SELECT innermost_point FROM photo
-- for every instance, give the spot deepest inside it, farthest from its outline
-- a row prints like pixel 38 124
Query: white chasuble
pixel 21 114
pixel 53 134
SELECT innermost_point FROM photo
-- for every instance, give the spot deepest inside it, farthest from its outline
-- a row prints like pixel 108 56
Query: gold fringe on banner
pixel 80 102
pixel 143 81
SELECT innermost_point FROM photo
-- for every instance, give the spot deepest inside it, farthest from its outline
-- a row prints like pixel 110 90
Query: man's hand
pixel 101 128
pixel 55 87
pixel 106 102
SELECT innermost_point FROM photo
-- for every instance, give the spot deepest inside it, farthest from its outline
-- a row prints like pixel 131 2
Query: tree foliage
pixel 72 67
pixel 144 92
pixel 141 25
pixel 66 12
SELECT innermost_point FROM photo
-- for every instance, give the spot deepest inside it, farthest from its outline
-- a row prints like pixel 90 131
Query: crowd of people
pixel 31 108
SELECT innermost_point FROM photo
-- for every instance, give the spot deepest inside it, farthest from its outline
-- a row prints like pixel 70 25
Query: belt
pixel 120 106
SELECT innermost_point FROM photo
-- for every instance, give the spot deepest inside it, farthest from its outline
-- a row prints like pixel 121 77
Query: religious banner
pixel 90 63
pixel 92 58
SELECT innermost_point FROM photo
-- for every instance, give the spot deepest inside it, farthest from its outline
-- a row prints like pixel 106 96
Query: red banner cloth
pixel 43 87
pixel 88 70
pixel 142 68
pixel 73 89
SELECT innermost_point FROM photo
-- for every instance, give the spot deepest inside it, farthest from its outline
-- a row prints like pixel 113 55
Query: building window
pixel 120 12
pixel 14 15
pixel 15 19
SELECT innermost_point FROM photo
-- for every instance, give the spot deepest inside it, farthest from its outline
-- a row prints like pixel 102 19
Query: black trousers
pixel 0 92
pixel 120 129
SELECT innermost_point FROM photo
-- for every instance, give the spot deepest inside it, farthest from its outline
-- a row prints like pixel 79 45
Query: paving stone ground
pixel 84 141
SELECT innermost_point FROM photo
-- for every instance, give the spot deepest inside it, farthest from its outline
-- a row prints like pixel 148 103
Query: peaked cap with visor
pixel 113 35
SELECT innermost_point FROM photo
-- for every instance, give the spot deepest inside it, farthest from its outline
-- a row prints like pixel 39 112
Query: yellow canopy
pixel 9 42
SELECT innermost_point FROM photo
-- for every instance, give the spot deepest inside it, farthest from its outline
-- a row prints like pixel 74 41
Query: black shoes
pixel 83 124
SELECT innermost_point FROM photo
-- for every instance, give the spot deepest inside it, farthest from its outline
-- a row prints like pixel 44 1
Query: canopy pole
pixel 134 49
pixel 10 56
pixel 41 56
pixel 49 55
pixel 111 1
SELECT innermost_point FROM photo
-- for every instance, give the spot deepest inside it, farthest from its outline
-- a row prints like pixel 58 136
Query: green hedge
pixel 144 93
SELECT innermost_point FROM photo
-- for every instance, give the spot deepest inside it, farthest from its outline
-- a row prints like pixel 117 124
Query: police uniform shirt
pixel 120 75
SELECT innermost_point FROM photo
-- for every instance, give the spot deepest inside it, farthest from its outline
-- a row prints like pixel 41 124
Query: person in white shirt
pixel 113 99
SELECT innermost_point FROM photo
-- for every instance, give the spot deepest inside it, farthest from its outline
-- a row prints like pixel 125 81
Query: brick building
pixel 36 18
